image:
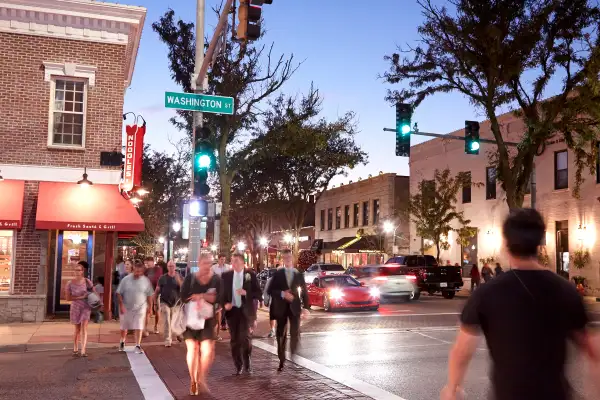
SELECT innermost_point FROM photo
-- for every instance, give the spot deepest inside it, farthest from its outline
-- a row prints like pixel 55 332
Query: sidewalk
pixel 57 335
pixel 294 383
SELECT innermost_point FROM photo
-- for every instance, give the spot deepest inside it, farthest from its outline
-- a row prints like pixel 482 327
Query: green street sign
pixel 199 102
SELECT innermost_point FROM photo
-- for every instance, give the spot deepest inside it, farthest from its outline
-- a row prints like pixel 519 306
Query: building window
pixel 322 222
pixel 346 216
pixel 466 189
pixel 329 218
pixel 67 122
pixel 6 261
pixel 365 216
pixel 356 213
pixel 490 183
pixel 375 212
pixel 561 170
pixel 338 218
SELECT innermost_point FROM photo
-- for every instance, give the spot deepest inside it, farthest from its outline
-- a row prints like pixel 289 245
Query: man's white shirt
pixel 218 270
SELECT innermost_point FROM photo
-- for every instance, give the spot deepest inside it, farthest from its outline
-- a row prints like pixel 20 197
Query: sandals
pixel 193 388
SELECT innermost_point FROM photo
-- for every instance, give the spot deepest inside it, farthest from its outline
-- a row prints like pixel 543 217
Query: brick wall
pixel 24 104
pixel 29 247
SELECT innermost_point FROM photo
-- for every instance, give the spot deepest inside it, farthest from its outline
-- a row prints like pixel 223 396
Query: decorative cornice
pixel 68 69
pixel 86 20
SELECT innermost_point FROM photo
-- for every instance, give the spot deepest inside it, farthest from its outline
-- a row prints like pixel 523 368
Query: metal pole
pixel 195 240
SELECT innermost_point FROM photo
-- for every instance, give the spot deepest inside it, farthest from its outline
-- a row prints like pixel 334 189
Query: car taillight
pixel 322 273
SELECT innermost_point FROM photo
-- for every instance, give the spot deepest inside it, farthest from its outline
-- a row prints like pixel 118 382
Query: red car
pixel 337 292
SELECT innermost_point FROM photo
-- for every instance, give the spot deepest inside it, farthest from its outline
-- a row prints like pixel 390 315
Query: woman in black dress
pixel 203 285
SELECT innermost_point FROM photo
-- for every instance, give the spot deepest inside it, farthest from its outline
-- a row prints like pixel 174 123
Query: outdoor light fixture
pixel 176 227
pixel 85 182
pixel 264 241
pixel 388 226
pixel 288 238
pixel 241 246
pixel 214 247
pixel 161 240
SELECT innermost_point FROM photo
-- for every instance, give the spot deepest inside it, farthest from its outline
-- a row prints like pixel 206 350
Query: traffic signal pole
pixel 416 131
pixel 197 85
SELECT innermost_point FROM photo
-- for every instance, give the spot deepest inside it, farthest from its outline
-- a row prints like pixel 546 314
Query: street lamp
pixel 389 227
pixel 264 242
pixel 241 246
pixel 176 227
pixel 213 248
pixel 288 238
pixel 161 240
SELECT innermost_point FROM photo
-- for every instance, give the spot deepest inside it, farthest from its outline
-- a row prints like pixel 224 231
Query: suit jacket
pixel 280 306
pixel 251 287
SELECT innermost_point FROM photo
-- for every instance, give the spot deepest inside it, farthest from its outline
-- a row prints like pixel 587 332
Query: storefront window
pixel 74 249
pixel 6 260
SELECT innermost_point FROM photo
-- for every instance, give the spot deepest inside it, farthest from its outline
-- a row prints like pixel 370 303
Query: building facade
pixel 571 223
pixel 65 67
pixel 350 220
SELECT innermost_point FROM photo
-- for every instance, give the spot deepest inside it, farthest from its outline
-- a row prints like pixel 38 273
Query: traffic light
pixel 203 156
pixel 403 116
pixel 249 14
pixel 472 137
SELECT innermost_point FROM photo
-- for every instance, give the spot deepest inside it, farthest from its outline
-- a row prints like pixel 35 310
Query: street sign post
pixel 199 102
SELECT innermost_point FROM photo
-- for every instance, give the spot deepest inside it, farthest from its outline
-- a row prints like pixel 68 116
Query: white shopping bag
pixel 196 313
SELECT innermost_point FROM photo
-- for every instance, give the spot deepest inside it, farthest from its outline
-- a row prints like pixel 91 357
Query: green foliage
pixel 581 258
pixel 433 208
pixel 543 257
pixel 487 260
pixel 506 54
pixel 464 235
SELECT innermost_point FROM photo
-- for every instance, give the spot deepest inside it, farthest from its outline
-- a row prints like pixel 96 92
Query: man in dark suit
pixel 286 290
pixel 240 289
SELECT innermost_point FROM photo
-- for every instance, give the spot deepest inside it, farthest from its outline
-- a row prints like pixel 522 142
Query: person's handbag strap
pixel 523 284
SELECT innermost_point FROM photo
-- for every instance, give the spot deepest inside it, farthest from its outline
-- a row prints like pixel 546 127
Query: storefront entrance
pixel 71 247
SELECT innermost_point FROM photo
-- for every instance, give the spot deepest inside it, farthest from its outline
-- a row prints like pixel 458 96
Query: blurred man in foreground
pixel 526 315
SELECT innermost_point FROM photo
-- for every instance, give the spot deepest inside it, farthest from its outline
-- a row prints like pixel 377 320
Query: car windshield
pixel 332 267
pixel 336 281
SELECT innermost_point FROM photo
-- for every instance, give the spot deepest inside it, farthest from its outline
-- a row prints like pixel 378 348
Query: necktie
pixel 237 284
pixel 289 274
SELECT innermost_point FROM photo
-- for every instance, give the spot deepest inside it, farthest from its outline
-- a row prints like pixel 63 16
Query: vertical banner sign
pixel 134 146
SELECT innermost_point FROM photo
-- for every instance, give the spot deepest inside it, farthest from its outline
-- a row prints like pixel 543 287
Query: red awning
pixel 11 204
pixel 76 207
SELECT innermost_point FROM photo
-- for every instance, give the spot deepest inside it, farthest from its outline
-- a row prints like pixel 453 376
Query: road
pixel 403 348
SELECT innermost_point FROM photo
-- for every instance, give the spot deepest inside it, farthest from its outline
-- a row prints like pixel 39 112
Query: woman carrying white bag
pixel 200 292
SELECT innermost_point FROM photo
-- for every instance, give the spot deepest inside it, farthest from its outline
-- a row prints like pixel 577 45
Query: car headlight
pixel 336 294
pixel 375 292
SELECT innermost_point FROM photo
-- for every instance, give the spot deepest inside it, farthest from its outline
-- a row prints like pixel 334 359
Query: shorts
pixel 133 320
pixel 271 316
pixel 208 333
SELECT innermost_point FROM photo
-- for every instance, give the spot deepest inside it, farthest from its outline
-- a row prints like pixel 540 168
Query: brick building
pixel 65 67
pixel 349 220
pixel 571 223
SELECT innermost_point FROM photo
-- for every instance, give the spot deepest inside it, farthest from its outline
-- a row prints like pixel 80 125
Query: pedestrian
pixel 498 270
pixel 98 314
pixel 163 267
pixel 526 316
pixel 288 294
pixel 121 267
pixel 166 295
pixel 218 269
pixel 203 287
pixel 240 289
pixel 135 299
pixel 77 292
pixel 487 273
pixel 268 302
pixel 128 268
pixel 153 272
pixel 115 301
pixel 475 277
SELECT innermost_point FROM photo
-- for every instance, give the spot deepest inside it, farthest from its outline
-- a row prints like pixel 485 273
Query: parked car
pixel 392 281
pixel 264 275
pixel 337 292
pixel 322 269
pixel 431 277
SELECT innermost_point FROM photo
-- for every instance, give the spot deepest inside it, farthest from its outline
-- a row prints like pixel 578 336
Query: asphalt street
pixel 403 348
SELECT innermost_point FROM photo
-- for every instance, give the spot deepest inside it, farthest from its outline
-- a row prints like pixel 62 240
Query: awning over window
pixel 355 244
pixel 11 204
pixel 75 207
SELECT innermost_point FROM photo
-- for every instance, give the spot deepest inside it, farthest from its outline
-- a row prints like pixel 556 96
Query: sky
pixel 341 44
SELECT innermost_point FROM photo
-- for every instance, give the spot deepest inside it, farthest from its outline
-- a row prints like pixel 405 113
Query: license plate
pixel 443 284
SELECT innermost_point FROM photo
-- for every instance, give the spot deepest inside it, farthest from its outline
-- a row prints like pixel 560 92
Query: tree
pixel 297 154
pixel 433 208
pixel 166 177
pixel 247 72
pixel 506 53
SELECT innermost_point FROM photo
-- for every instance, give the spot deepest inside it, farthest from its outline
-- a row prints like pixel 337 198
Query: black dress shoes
pixel 280 367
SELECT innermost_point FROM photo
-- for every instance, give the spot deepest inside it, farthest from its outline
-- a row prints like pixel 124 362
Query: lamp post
pixel 175 228
pixel 264 242
pixel 389 227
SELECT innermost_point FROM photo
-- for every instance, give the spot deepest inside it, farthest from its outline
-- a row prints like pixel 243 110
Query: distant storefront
pixel 352 251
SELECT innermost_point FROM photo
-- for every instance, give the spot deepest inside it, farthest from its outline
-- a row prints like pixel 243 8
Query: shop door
pixel 72 247
pixel 562 248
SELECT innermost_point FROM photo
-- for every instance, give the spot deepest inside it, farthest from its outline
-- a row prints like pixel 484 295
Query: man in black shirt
pixel 167 292
pixel 526 315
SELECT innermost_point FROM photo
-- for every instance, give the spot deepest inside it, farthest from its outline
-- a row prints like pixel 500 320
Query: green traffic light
pixel 405 129
pixel 203 161
pixel 474 146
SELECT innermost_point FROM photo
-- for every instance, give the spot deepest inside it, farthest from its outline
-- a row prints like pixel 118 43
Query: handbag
pixel 93 299
pixel 178 320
